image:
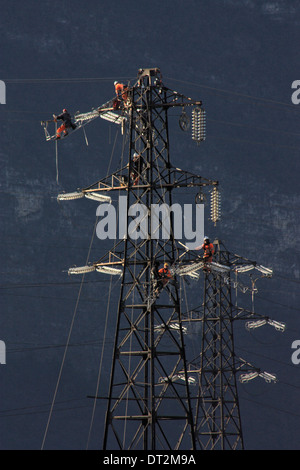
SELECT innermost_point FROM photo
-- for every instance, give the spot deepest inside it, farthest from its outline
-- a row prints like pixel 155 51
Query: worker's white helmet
pixel 115 82
pixel 206 238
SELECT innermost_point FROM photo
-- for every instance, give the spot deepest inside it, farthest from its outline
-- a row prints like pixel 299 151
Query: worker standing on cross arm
pixel 208 249
pixel 119 87
pixel 67 123
pixel 121 94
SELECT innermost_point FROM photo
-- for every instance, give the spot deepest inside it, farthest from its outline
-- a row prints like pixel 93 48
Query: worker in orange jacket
pixel 164 275
pixel 121 92
pixel 118 88
pixel 208 249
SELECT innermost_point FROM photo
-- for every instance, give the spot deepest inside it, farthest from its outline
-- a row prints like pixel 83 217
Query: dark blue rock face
pixel 240 58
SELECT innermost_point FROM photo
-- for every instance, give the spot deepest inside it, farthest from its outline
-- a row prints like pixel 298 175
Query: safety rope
pixel 107 308
pixel 72 322
pixel 67 345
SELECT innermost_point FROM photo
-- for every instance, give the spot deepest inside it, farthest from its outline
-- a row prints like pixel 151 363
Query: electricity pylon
pixel 218 422
pixel 217 412
pixel 152 402
pixel 149 403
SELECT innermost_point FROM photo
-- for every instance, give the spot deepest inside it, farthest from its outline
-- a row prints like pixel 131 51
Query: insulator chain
pixel 245 378
pixel 279 326
pixel 215 205
pixel 198 124
pixel 96 196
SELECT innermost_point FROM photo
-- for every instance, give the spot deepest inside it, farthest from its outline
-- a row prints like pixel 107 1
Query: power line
pixel 101 79
pixel 61 80
pixel 278 303
pixel 73 320
pixel 72 283
pixel 253 142
pixel 50 284
pixel 234 93
pixel 289 279
pixel 253 127
pixel 57 346
pixel 39 411
pixel 267 405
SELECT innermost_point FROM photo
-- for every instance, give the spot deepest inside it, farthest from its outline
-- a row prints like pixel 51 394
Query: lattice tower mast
pixel 147 409
pixel 218 421
pixel 217 412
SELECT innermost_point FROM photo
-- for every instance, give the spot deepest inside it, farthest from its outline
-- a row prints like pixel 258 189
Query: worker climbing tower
pixel 158 398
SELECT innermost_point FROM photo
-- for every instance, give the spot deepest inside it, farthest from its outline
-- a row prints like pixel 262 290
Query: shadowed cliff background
pixel 240 58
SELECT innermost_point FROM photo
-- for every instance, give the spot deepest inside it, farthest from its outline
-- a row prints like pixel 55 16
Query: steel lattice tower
pixel 217 412
pixel 152 402
pixel 147 408
pixel 218 423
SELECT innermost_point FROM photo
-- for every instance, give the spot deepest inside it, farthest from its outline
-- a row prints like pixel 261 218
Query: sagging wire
pixel 107 316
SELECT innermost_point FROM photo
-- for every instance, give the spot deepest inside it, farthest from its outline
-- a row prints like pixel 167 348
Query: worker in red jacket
pixel 208 249
pixel 164 274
